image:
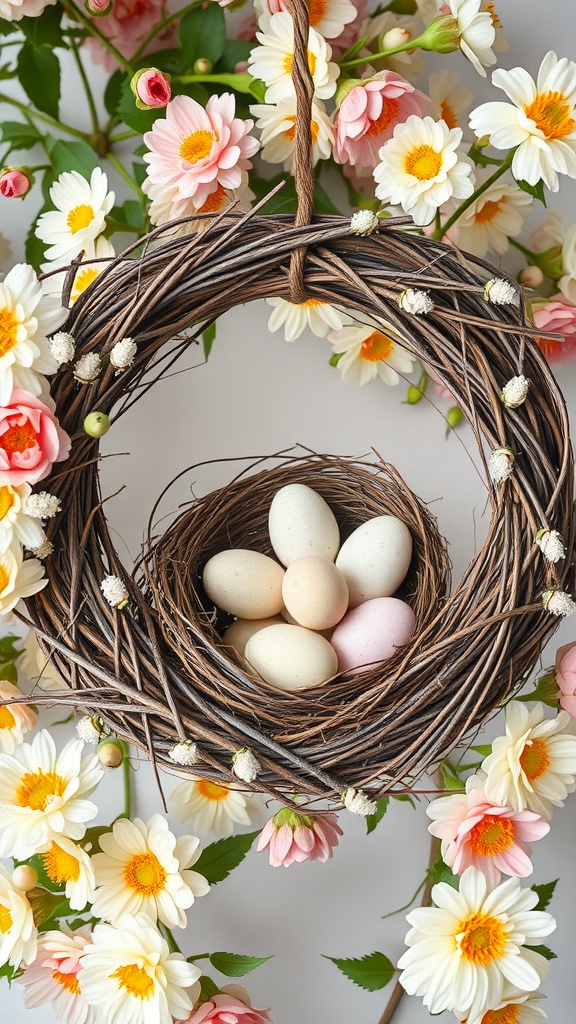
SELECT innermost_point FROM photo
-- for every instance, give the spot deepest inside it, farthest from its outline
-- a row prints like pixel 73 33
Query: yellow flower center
pixel 82 280
pixel 492 835
pixel 550 112
pixel 135 980
pixel 6 500
pixel 60 866
pixel 316 9
pixel 291 132
pixel 19 437
pixel 197 146
pixel 488 211
pixel 67 981
pixel 80 217
pixel 388 114
pixel 534 760
pixel 8 330
pixel 506 1015
pixel 448 114
pixel 481 939
pixel 289 61
pixel 210 790
pixel 5 919
pixel 7 720
pixel 423 162
pixel 36 789
pixel 376 347
pixel 215 200
pixel 4 577
pixel 145 874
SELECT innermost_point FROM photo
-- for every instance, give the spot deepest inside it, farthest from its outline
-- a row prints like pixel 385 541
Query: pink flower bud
pixel 99 8
pixel 151 88
pixel 395 37
pixel 241 67
pixel 14 183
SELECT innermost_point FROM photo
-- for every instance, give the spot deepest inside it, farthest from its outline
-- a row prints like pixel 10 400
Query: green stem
pixel 86 84
pixel 172 944
pixel 167 20
pixel 129 134
pixel 238 82
pixel 90 24
pixel 412 44
pixel 124 173
pixel 43 117
pixel 506 163
pixel 126 769
pixel 522 248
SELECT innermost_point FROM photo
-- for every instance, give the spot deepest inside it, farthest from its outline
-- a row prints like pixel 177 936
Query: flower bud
pixel 531 277
pixel 550 262
pixel 14 183
pixel 96 424
pixel 202 66
pixel 454 416
pixel 24 877
pixel 99 8
pixel 395 37
pixel 110 753
pixel 442 35
pixel 242 67
pixel 151 88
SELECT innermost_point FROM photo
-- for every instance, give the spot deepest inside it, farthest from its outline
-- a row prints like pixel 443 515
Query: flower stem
pixel 124 173
pixel 172 944
pixel 126 769
pixel 412 44
pixel 43 117
pixel 93 30
pixel 522 248
pixel 129 134
pixel 167 20
pixel 506 163
pixel 86 84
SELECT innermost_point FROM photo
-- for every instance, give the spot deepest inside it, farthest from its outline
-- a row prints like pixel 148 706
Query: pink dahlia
pixel 290 837
pixel 557 314
pixel 31 439
pixel 192 147
pixel 368 115
pixel 127 25
pixel 566 677
pixel 226 1009
pixel 477 833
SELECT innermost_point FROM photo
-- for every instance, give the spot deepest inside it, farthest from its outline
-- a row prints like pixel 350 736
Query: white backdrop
pixel 258 395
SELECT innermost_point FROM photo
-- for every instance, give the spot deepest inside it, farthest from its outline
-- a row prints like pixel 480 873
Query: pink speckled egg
pixel 372 632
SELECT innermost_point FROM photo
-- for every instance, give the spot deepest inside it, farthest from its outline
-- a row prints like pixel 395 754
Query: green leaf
pixel 404 798
pixel 71 156
pixel 284 201
pixel 545 893
pixel 113 91
pixel 8 649
pixel 374 819
pixel 440 872
pixel 207 987
pixel 235 965
pixel 403 7
pixel 335 358
pixel 6 71
pixel 10 973
pixel 8 27
pixel 92 836
pixel 258 90
pixel 536 190
pixel 20 135
pixel 371 972
pixel 203 34
pixel 8 671
pixel 39 74
pixel 546 691
pixel 134 214
pixel 34 249
pixel 140 120
pixel 139 172
pixel 208 339
pixel 449 776
pixel 44 31
pixel 234 52
pixel 220 858
pixel 322 201
pixel 544 951
pixel 484 749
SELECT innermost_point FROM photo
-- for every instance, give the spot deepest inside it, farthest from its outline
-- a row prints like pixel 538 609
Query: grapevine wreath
pixel 155 668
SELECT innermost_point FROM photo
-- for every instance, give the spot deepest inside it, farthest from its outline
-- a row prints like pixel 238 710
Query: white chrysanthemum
pixel 129 972
pixel 18 578
pixel 17 929
pixel 43 794
pixel 15 520
pixel 364 222
pixel 420 168
pixel 368 352
pixel 449 99
pixel 328 17
pixel 68 865
pixel 27 317
pixel 515 391
pixel 79 217
pixel 54 976
pixel 477 32
pixel 62 347
pixel 501 292
pixel 115 591
pixel 143 867
pixel 122 353
pixel 210 807
pixel 551 545
pixel 465 948
pixel 497 215
pixel 246 765
pixel 37 668
pixel 501 464
pixel 542 122
pixel 358 803
pixel 87 368
pixel 295 317
pixel 558 602
pixel 184 752
pixel 272 61
pixel 277 125
pixel 516 1008
pixel 415 301
pixel 101 251
pixel 15 719
pixel 534 764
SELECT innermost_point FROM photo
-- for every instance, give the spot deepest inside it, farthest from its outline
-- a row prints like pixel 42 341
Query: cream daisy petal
pixel 271 62
pixel 80 214
pixel 53 977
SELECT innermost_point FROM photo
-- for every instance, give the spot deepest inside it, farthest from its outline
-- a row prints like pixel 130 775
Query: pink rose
pixel 14 183
pixel 557 314
pixel 226 1009
pixel 99 7
pixel 368 115
pixel 151 88
pixel 566 677
pixel 31 439
pixel 290 836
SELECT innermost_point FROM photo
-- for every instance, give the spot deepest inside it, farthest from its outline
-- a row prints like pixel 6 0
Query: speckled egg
pixel 244 583
pixel 291 657
pixel 315 592
pixel 239 632
pixel 301 523
pixel 372 632
pixel 375 558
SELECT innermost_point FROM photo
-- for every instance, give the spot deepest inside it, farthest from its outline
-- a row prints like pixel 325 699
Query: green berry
pixel 97 424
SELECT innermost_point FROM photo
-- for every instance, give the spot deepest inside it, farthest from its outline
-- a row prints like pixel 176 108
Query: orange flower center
pixel 6 500
pixel 210 790
pixel 82 280
pixel 145 874
pixel 60 866
pixel 550 112
pixel 388 114
pixel 19 437
pixel 448 114
pixel 215 200
pixel 289 61
pixel 5 919
pixel 291 132
pixel 506 1015
pixel 423 162
pixel 197 146
pixel 534 760
pixel 492 835
pixel 135 980
pixel 376 347
pixel 8 330
pixel 67 981
pixel 80 217
pixel 481 939
pixel 488 211
pixel 7 719
pixel 36 788
pixel 316 9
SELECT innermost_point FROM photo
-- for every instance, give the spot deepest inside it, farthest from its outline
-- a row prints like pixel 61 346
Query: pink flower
pixel 30 439
pixel 291 837
pixel 127 25
pixel 367 116
pixel 15 10
pixel 14 183
pixel 350 33
pixel 99 6
pixel 226 1009
pixel 192 147
pixel 557 314
pixel 248 28
pixel 566 677
pixel 151 88
pixel 478 833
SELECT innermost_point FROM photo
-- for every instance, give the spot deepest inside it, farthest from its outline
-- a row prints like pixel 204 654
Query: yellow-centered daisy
pixel 272 61
pixel 367 352
pixel 79 217
pixel 15 719
pixel 210 807
pixel 17 929
pixel 27 317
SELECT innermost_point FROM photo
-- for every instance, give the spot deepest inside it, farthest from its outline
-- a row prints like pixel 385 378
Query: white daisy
pixel 420 168
pixel 27 317
pixel 567 283
pixel 277 124
pixel 542 123
pixel 410 65
pixel 54 976
pixel 17 929
pixel 18 578
pixel 37 667
pixel 143 867
pixel 466 947
pixel 516 1008
pixel 549 233
pixel 87 271
pixel 497 215
pixel 15 719
pixel 449 99
pixel 43 794
pixel 165 207
pixel 330 17
pixel 477 32
pixel 129 975
pixel 80 214
pixel 500 44
pixel 67 863
pixel 367 352
pixel 272 61
pixel 210 807
pixel 295 317
pixel 14 522
pixel 534 764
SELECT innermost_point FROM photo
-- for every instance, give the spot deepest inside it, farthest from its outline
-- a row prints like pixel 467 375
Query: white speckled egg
pixel 375 558
pixel 239 632
pixel 301 523
pixel 315 592
pixel 245 583
pixel 291 657
pixel 372 632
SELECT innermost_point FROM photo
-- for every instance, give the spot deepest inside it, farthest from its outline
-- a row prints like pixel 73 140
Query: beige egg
pixel 239 632
pixel 375 558
pixel 315 592
pixel 244 583
pixel 301 523
pixel 291 657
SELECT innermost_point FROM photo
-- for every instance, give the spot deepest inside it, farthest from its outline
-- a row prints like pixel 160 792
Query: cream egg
pixel 291 657
pixel 315 592
pixel 375 558
pixel 372 632
pixel 244 583
pixel 301 523
pixel 239 632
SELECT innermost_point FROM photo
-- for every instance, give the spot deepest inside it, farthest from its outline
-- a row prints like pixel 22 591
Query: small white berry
pixel 501 292
pixel 87 368
pixel 246 765
pixel 122 354
pixel 42 505
pixel 357 802
pixel 558 602
pixel 500 464
pixel 414 301
pixel 43 550
pixel 364 222
pixel 62 347
pixel 91 728
pixel 115 591
pixel 515 391
pixel 551 545
pixel 184 752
